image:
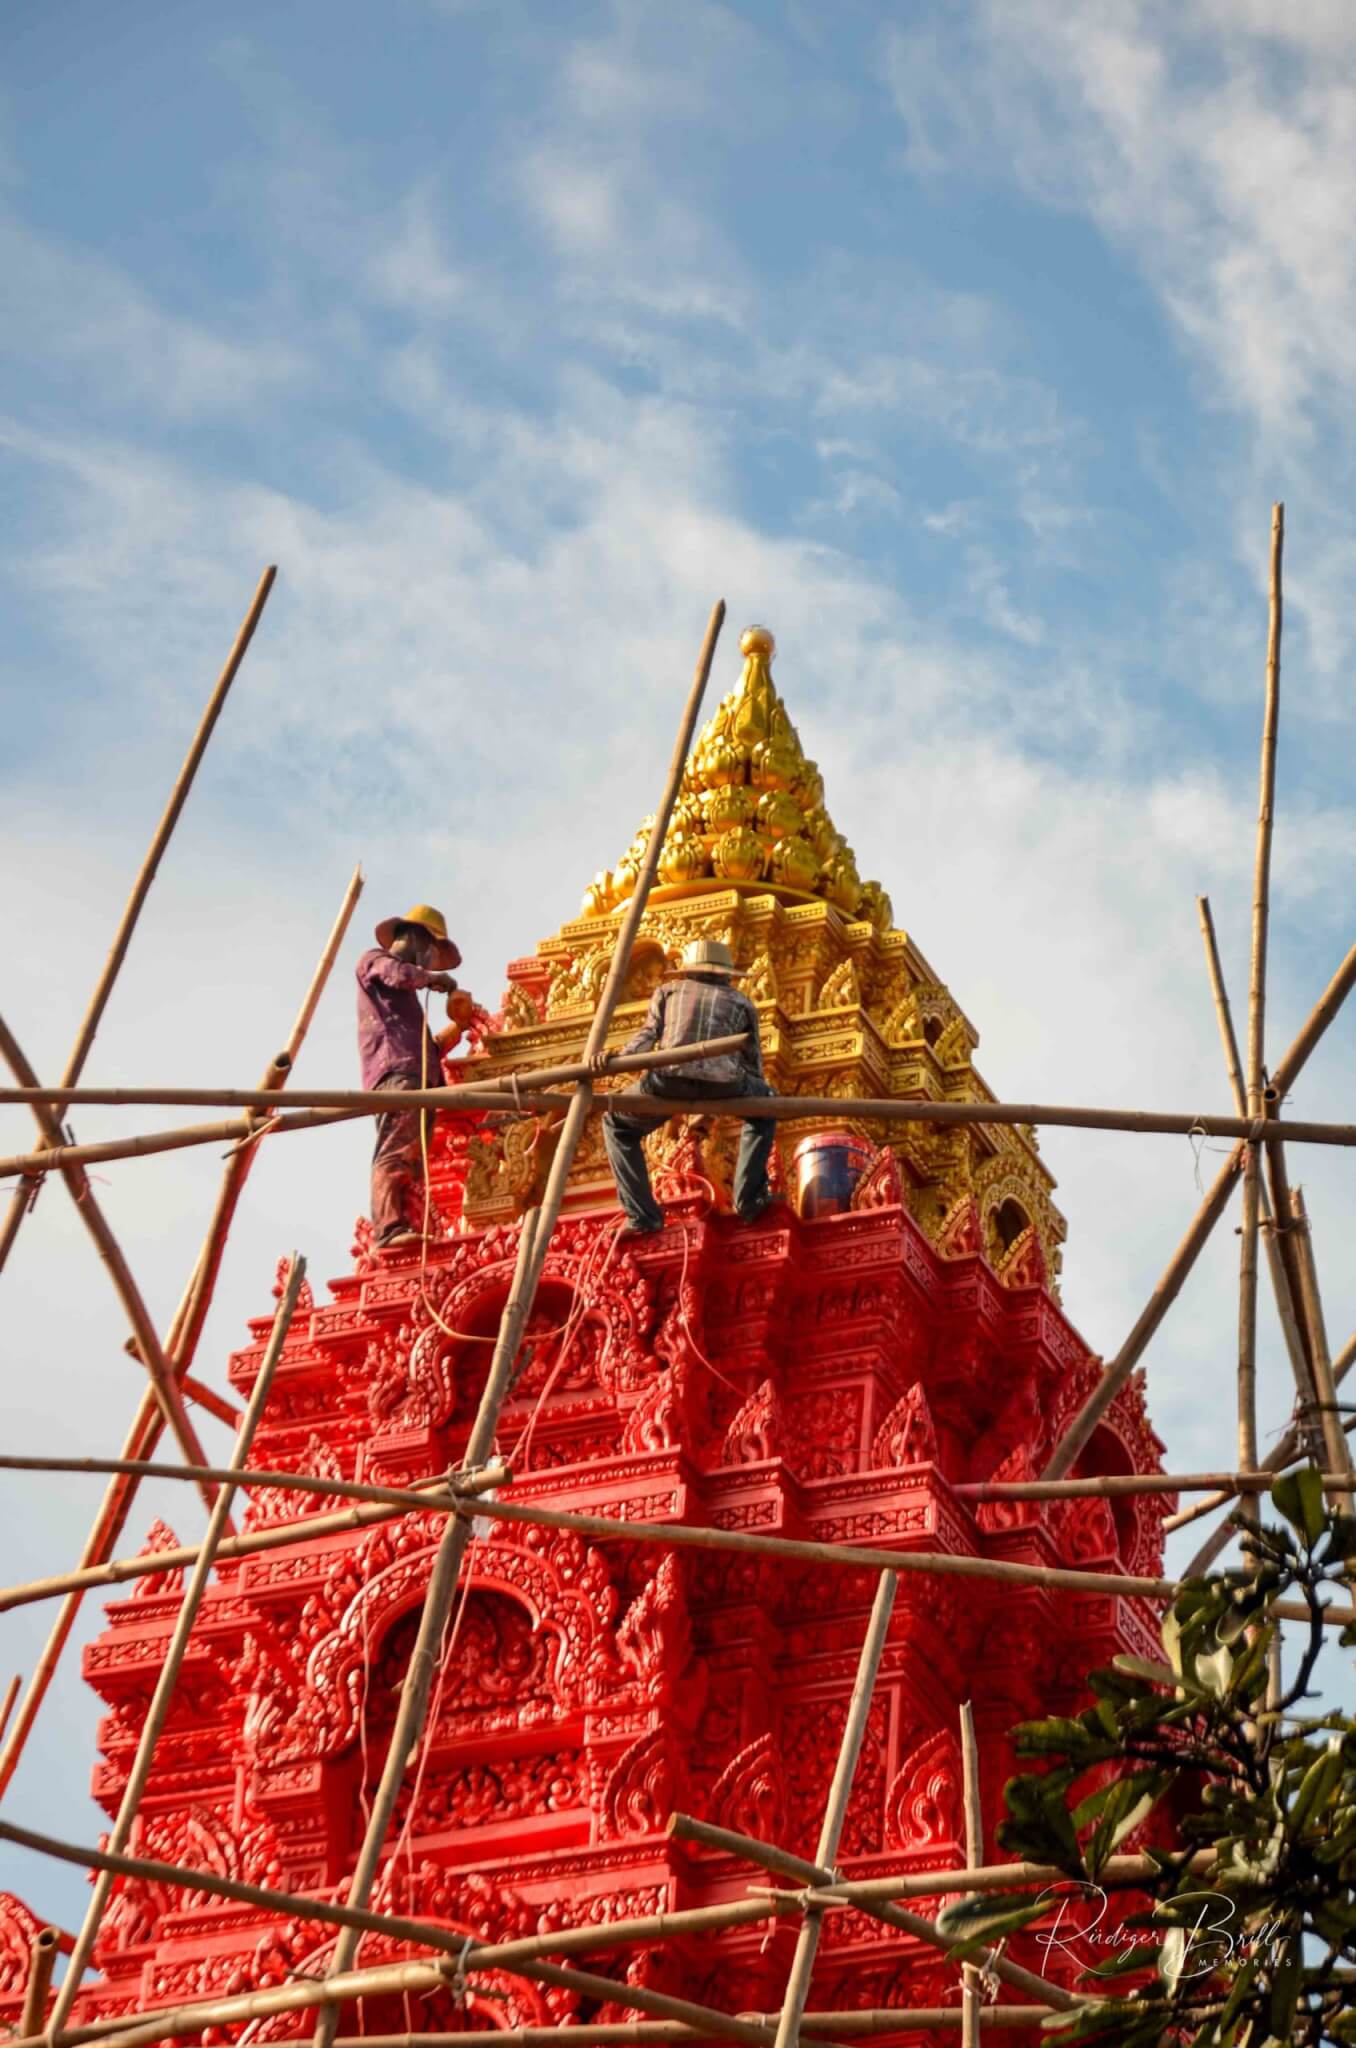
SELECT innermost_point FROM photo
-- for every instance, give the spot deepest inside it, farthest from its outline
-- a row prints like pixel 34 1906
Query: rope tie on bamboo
pixel 1196 1138
pixel 459 1984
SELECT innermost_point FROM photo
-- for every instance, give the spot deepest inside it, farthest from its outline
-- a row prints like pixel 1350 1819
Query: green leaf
pixel 1285 1989
pixel 1316 1787
pixel 1298 1496
pixel 1140 1667
pixel 974 1923
pixel 1216 1670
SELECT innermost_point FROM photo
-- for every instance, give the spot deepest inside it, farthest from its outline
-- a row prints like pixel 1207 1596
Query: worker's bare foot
pixel 402 1241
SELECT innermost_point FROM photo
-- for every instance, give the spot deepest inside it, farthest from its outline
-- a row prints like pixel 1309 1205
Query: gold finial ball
pixel 758 640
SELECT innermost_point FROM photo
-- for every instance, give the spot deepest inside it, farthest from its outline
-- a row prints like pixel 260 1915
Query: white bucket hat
pixel 708 956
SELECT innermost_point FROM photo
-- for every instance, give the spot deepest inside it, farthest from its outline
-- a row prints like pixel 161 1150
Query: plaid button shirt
pixel 696 1007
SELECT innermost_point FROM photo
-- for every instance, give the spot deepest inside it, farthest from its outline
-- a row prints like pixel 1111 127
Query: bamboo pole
pixel 1265 809
pixel 1122 1870
pixel 466 1098
pixel 181 1345
pixel 532 1245
pixel 122 938
pixel 1247 1263
pixel 1311 1302
pixel 387 1980
pixel 159 1708
pixel 167 1390
pixel 7 1707
pixel 369 1101
pixel 42 1955
pixel 893 2019
pixel 1184 1258
pixel 974 1857
pixel 668 1535
pixel 836 1805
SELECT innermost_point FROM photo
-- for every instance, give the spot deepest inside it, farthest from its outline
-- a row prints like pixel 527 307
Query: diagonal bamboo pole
pixel 158 1710
pixel 122 939
pixel 974 1857
pixel 532 1246
pixel 168 1392
pixel 1184 1258
pixel 836 1805
pixel 181 1345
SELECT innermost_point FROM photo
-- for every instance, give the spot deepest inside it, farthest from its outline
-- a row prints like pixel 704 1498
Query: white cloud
pixel 81 312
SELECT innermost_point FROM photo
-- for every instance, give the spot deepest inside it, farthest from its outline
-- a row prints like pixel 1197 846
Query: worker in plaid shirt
pixel 701 1003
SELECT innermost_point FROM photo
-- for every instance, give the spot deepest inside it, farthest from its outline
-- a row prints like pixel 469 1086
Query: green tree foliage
pixel 1250 1939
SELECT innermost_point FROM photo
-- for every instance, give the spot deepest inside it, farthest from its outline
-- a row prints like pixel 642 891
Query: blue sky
pixel 967 345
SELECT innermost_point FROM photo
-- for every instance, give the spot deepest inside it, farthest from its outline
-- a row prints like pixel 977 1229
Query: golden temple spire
pixel 751 814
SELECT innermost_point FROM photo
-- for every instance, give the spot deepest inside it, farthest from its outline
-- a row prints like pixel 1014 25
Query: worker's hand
pixel 598 1062
pixel 444 984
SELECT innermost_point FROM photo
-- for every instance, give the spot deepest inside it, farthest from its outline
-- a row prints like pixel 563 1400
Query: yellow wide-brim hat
pixel 432 921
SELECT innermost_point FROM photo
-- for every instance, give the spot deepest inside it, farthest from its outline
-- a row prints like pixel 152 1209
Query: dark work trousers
pixel 397 1162
pixel 623 1136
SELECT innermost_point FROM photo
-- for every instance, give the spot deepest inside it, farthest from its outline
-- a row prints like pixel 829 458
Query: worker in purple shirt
pixel 398 1051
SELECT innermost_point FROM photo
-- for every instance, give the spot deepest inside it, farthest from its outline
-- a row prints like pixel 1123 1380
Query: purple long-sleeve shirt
pixel 392 1035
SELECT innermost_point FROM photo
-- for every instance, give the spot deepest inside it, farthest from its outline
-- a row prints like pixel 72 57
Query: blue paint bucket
pixel 825 1168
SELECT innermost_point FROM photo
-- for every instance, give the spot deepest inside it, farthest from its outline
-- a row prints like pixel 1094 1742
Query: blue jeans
pixel 623 1136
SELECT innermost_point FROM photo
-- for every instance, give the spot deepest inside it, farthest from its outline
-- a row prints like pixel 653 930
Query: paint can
pixel 825 1168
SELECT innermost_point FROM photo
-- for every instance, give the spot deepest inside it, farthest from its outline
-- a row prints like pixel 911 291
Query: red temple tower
pixel 833 1376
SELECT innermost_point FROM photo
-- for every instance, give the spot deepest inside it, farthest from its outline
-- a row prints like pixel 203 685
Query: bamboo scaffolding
pixel 342 1105
pixel 836 1805
pixel 532 1245
pixel 482 1955
pixel 7 1705
pixel 23 1197
pixel 167 1390
pixel 669 1535
pixel 159 1708
pixel 1116 1374
pixel 974 1856
pixel 181 1345
pixel 1289 1251
pixel 876 1897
